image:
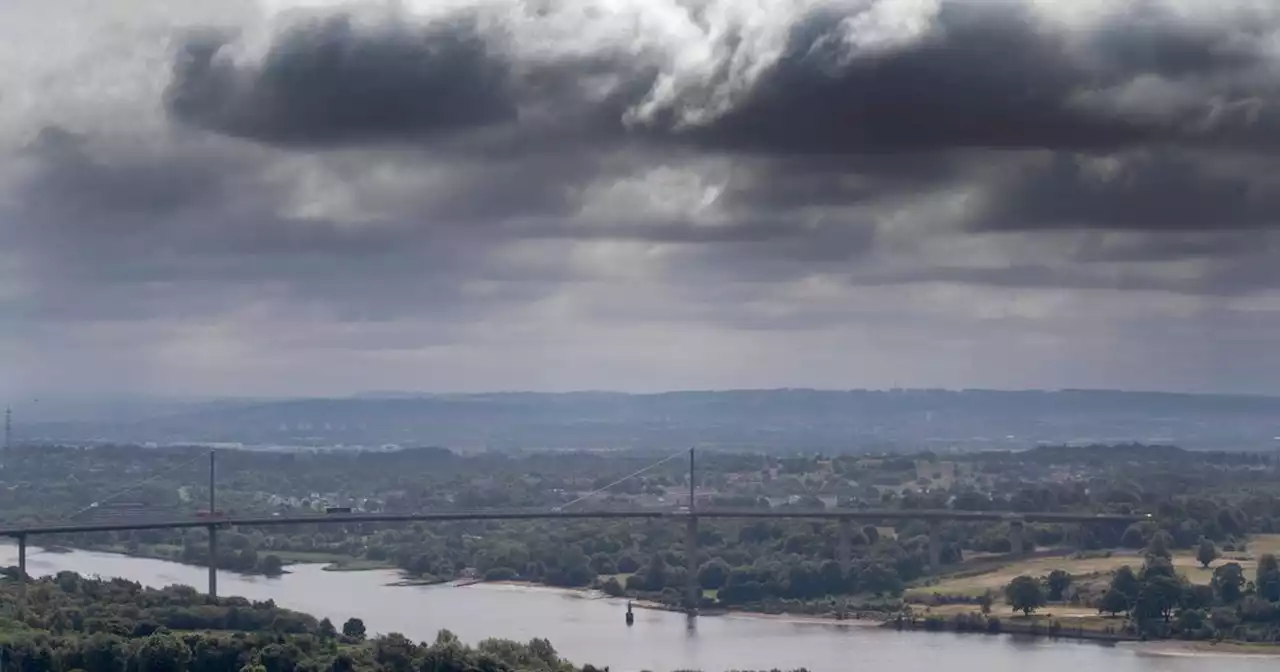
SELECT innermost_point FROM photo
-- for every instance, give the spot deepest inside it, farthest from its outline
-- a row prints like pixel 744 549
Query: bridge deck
pixel 442 516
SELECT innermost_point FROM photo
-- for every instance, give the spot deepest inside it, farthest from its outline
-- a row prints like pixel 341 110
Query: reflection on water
pixel 592 630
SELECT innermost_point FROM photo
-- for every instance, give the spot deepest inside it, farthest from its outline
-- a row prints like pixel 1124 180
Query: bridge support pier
pixel 935 546
pixel 692 588
pixel 22 574
pixel 213 561
pixel 844 551
pixel 1015 538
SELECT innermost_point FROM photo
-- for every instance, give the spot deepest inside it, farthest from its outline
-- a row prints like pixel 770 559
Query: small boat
pixel 631 617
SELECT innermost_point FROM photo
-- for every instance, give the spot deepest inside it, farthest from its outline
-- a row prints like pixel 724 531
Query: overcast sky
pixel 267 197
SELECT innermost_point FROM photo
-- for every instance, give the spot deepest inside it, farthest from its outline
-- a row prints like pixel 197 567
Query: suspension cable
pixel 135 486
pixel 620 480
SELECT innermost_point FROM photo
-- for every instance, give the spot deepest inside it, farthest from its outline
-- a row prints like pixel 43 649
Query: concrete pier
pixel 844 551
pixel 693 589
pixel 22 574
pixel 1015 538
pixel 935 546
pixel 213 561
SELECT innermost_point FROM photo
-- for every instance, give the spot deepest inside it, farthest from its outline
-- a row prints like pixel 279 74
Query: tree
pixel 1126 583
pixel 1159 596
pixel 1157 566
pixel 1228 582
pixel 713 574
pixel 612 587
pixel 271 565
pixel 655 575
pixel 1113 602
pixel 1160 545
pixel 627 564
pixel 1267 580
pixel 353 628
pixel 1206 553
pixel 163 652
pixel 1024 594
pixel 879 579
pixel 1133 537
pixel 1057 582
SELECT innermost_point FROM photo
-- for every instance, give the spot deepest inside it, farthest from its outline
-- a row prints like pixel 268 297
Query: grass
pixel 1087 568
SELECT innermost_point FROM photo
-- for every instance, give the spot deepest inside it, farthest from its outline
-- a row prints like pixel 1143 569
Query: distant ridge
pixel 775 420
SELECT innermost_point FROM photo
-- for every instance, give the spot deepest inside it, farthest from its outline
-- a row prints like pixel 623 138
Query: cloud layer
pixel 320 197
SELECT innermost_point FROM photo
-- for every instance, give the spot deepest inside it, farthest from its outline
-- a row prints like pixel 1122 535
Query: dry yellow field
pixel 1085 567
pixel 1069 617
pixel 1060 612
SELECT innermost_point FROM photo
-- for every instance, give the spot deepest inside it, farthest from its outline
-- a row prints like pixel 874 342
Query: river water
pixel 587 630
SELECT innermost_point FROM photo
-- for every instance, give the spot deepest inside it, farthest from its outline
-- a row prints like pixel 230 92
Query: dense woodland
pixel 74 623
pixel 1219 497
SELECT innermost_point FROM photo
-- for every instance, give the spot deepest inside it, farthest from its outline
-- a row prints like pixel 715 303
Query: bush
pixel 501 574
pixel 612 588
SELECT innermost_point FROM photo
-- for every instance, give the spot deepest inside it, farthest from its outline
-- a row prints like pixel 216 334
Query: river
pixel 587 630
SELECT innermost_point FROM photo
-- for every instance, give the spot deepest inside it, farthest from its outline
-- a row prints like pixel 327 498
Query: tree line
pixel 1158 602
pixel 76 624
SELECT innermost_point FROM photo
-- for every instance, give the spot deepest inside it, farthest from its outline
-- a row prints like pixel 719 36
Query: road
pixel 543 514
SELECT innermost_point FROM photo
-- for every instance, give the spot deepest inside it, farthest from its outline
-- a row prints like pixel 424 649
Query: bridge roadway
pixel 693 593
pixel 544 514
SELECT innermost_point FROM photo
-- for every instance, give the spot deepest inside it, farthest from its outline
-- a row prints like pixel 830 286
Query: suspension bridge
pixel 690 515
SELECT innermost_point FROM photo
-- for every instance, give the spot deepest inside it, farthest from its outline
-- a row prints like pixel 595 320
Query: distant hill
pixel 776 420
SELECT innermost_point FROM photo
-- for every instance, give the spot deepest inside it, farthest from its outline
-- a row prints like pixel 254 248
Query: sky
pixel 311 197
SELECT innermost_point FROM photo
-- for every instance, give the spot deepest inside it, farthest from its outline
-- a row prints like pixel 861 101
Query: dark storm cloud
pixel 987 78
pixel 328 80
pixel 1147 41
pixel 987 75
pixel 824 145
pixel 1153 192
pixel 987 81
pixel 983 75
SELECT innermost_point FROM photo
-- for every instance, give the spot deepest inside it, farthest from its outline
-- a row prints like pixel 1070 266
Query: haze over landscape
pixel 639 335
pixel 284 198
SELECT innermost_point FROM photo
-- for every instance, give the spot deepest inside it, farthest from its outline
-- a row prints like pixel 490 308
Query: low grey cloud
pixel 670 193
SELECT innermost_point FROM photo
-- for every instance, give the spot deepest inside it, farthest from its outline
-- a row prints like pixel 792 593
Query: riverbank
pixel 1178 649
pixel 1058 623
pixel 596 594
pixel 584 629
pixel 331 562
pixel 588 629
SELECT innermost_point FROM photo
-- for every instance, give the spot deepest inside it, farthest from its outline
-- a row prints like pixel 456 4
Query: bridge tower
pixel 935 546
pixel 692 589
pixel 844 548
pixel 213 529
pixel 1016 537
